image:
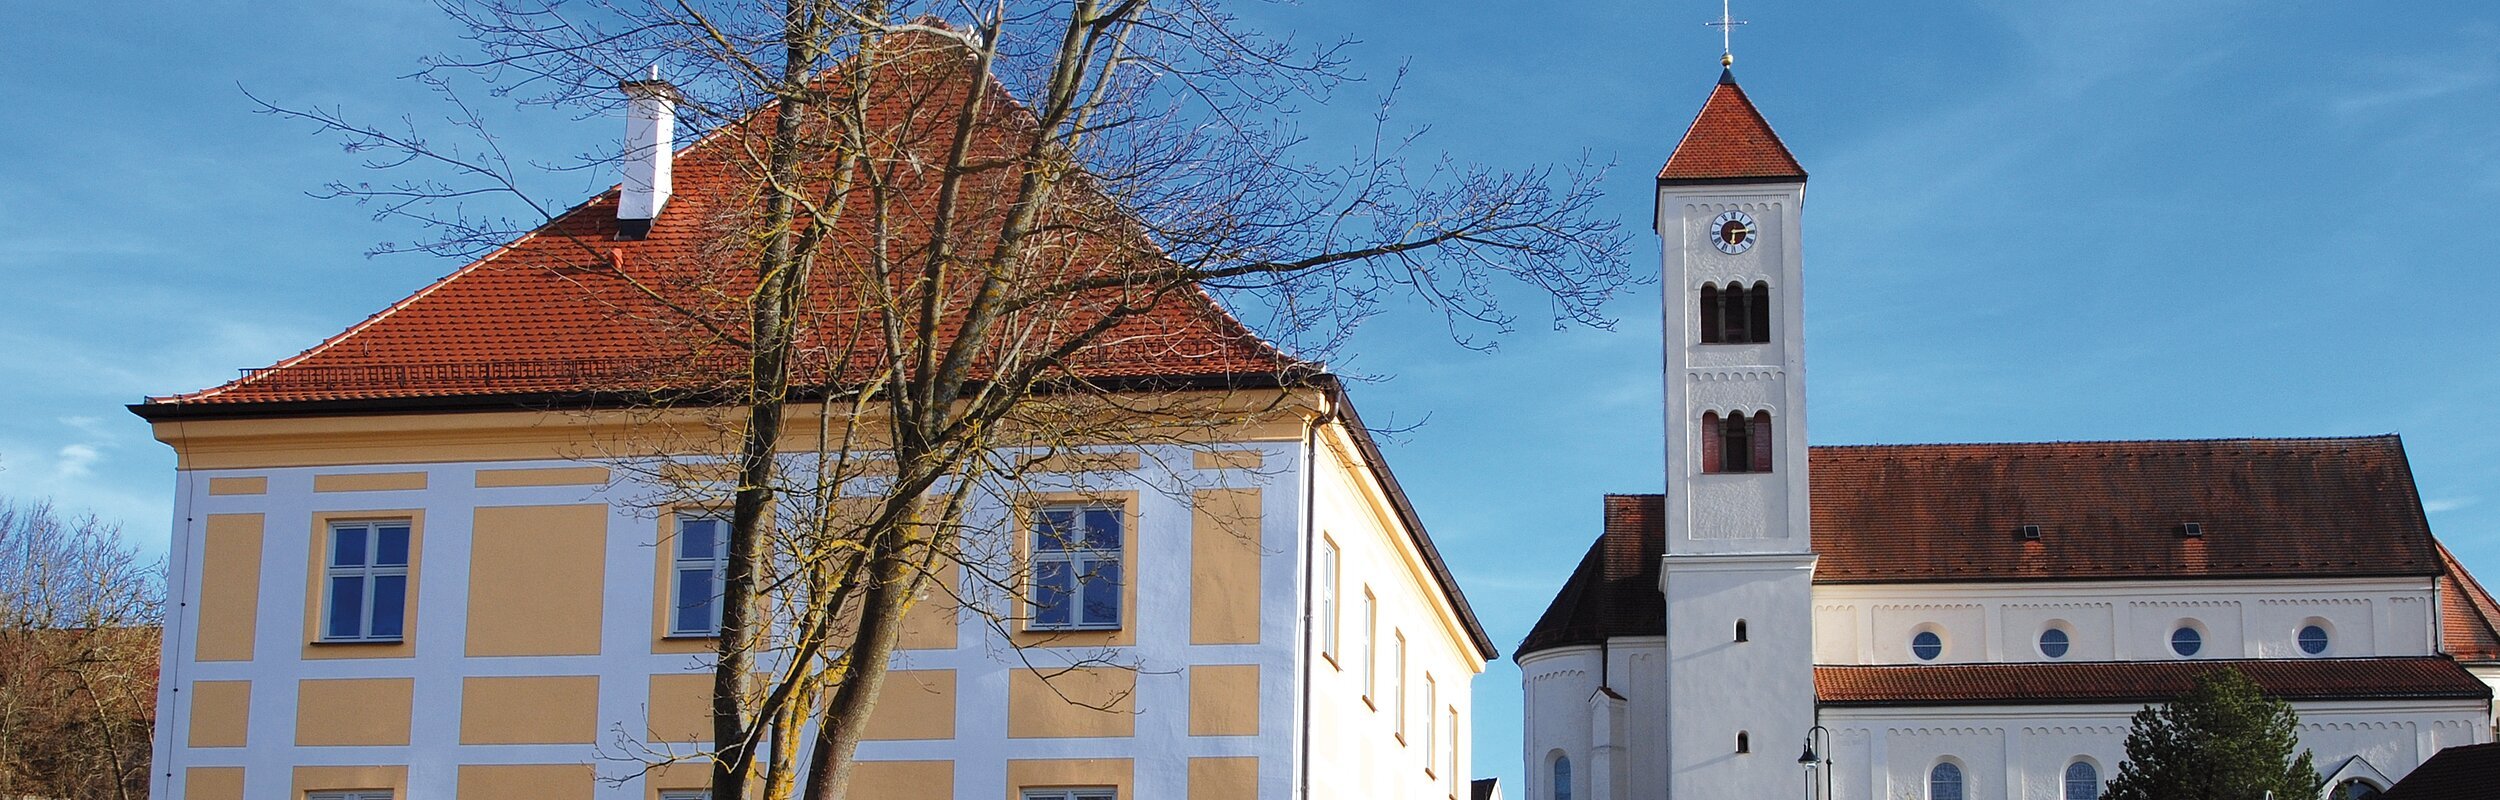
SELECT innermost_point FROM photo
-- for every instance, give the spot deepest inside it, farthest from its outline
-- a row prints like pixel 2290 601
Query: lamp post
pixel 1817 761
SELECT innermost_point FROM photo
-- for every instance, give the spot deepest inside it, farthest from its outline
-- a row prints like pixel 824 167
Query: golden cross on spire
pixel 1727 34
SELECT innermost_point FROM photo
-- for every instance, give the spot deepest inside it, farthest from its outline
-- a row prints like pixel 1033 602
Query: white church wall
pixel 1561 717
pixel 2123 620
pixel 2023 752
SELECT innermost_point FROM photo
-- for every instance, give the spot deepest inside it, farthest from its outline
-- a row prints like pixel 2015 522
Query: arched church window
pixel 1740 631
pixel 2083 781
pixel 1736 313
pixel 2355 789
pixel 1927 645
pixel 1945 781
pixel 1744 742
pixel 1735 443
pixel 1562 777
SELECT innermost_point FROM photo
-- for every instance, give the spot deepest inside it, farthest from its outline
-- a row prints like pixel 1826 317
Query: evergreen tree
pixel 2224 740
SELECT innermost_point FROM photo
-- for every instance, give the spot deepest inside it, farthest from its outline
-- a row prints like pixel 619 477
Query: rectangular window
pixel 1328 599
pixel 696 574
pixel 1455 781
pixel 1371 645
pixel 1071 794
pixel 1432 737
pixel 367 582
pixel 1076 567
pixel 1398 682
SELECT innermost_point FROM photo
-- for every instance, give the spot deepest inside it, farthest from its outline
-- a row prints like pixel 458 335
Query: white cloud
pixel 75 461
pixel 2447 504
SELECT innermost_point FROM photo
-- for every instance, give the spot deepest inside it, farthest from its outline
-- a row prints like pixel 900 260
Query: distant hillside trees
pixel 2225 740
pixel 79 617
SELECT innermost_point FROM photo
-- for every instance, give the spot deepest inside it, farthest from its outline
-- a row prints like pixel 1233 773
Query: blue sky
pixel 2028 221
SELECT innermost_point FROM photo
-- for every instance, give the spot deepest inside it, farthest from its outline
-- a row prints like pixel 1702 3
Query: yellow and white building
pixel 420 561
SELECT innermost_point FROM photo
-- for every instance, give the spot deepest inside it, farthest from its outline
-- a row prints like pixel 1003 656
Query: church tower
pixel 1739 564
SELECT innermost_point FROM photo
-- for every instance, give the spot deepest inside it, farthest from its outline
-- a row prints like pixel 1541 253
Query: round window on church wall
pixel 2053 643
pixel 1927 645
pixel 2313 640
pixel 2186 641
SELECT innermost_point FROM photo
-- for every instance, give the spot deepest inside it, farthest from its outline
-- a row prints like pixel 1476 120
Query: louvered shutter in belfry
pixel 1710 435
pixel 1760 436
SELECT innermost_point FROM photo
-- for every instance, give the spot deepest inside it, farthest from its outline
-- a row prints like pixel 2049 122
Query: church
pixel 1961 621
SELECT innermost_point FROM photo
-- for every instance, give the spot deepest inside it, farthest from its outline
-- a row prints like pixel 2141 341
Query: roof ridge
pixel 2372 438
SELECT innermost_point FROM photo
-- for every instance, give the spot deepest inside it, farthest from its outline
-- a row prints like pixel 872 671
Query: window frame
pixel 1068 793
pixel 2195 644
pixel 2065 643
pixel 1398 682
pixel 1371 648
pixel 1432 733
pixel 2326 640
pixel 368 575
pixel 2092 782
pixel 679 565
pixel 1329 566
pixel 1082 560
pixel 1737 443
pixel 1926 633
pixel 1961 781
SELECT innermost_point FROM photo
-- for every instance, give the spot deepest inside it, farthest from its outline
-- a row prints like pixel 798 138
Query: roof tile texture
pixel 2267 507
pixel 557 310
pixel 2270 508
pixel 2134 682
pixel 1730 141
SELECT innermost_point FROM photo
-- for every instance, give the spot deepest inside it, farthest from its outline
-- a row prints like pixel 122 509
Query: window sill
pixel 1400 737
pixel 356 642
pixel 1076 629
pixel 1367 703
pixel 1331 658
pixel 690 637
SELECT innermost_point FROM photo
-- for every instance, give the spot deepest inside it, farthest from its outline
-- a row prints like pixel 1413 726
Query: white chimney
pixel 650 141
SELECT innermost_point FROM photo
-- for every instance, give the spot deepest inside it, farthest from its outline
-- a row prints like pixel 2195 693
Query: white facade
pixel 1242 738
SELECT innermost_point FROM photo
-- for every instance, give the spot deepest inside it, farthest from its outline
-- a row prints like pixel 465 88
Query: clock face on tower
pixel 1733 232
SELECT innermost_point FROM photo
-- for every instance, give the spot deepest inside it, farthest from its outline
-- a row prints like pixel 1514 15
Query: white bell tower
pixel 1739 564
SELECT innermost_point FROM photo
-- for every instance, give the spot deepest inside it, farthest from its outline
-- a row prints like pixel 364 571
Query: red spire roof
pixel 1730 143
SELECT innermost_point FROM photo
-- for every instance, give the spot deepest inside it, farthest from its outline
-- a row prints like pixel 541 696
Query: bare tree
pixel 933 256
pixel 79 616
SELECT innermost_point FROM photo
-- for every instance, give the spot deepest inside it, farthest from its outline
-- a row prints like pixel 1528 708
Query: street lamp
pixel 1816 761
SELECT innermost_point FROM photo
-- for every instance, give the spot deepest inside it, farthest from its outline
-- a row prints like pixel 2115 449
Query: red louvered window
pixel 1735 442
pixel 1711 446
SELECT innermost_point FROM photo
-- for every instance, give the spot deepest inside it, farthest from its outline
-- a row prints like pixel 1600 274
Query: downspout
pixel 1310 565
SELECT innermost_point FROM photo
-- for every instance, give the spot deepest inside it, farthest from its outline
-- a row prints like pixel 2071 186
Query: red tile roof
pixel 2142 682
pixel 1730 142
pixel 555 312
pixel 1614 592
pixel 2465 772
pixel 2469 621
pixel 2283 508
pixel 2268 507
